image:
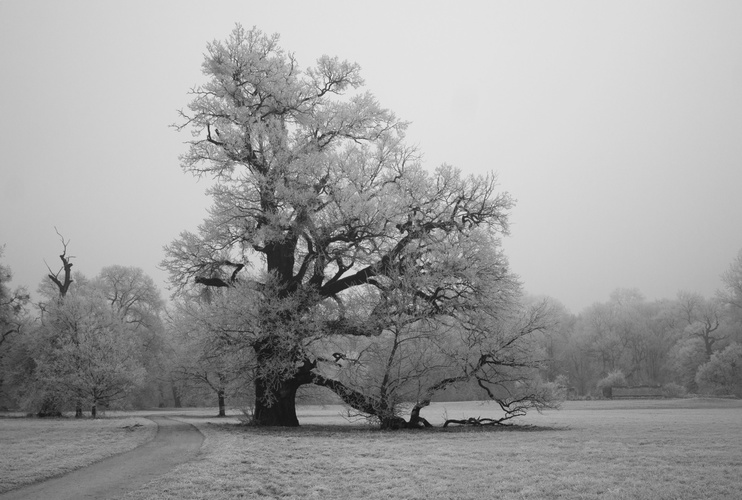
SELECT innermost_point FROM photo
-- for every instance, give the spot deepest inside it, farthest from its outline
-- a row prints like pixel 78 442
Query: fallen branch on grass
pixel 475 421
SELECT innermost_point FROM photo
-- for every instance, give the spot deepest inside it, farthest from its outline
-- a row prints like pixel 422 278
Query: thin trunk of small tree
pixel 220 396
pixel 221 393
pixel 176 396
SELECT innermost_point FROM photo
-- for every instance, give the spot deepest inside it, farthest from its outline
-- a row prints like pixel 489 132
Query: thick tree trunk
pixel 275 400
pixel 276 407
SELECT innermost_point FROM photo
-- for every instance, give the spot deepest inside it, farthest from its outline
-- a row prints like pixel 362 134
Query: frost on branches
pixel 327 236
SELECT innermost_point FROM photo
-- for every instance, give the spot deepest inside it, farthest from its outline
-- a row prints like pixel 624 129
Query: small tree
pixel 85 354
pixel 199 361
pixel 135 301
pixel 687 355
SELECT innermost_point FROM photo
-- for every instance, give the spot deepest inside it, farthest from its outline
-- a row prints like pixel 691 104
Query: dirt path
pixel 175 442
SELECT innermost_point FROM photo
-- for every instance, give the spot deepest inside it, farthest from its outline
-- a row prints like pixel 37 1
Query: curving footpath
pixel 174 443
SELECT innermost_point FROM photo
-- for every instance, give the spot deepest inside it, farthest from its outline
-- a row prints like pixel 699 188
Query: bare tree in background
pixel 62 283
pixel 703 317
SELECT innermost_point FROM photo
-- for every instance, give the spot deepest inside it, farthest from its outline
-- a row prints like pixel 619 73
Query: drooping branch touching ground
pixel 370 405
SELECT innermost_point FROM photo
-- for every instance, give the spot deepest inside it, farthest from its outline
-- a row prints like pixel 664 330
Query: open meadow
pixel 658 449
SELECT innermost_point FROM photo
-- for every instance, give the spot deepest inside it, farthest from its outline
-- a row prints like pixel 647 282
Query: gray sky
pixel 616 125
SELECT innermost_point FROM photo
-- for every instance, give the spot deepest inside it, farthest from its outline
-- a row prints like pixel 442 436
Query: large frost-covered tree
pixel 325 229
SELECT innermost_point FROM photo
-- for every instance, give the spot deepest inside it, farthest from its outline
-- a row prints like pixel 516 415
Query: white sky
pixel 616 125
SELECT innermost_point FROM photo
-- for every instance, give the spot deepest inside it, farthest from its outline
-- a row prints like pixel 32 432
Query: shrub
pixel 722 374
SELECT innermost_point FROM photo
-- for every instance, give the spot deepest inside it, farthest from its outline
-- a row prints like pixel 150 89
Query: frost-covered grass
pixel 667 449
pixel 33 449
pixel 603 449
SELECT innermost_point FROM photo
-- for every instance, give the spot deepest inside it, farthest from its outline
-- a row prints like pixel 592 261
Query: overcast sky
pixel 616 125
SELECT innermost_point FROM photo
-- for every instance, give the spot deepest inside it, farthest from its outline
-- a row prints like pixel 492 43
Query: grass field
pixel 35 449
pixel 669 449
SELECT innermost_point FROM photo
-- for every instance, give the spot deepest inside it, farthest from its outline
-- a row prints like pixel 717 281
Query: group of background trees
pixel 689 343
pixel 85 343
pixel 333 261
pixel 111 340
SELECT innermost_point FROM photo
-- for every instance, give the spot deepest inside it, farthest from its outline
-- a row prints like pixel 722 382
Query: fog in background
pixel 616 125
